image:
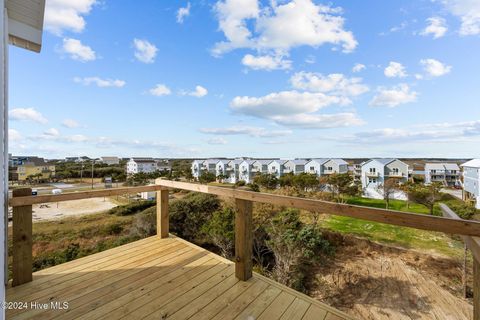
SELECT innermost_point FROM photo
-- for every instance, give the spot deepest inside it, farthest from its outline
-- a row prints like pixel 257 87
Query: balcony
pixel 396 175
pixel 372 174
pixel 165 277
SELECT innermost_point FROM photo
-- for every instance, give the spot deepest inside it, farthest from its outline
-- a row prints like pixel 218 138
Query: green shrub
pixel 132 208
pixel 114 229
pixel 145 223
pixel 188 215
pixel 220 230
pixel 240 183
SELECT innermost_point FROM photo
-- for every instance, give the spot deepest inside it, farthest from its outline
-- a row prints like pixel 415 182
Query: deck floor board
pixel 159 279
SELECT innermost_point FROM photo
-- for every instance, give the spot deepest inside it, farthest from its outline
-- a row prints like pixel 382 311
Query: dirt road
pixel 60 210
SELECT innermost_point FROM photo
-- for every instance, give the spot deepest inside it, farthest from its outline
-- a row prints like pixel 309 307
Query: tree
pixel 295 246
pixel 287 180
pixel 266 180
pixel 305 181
pixel 409 189
pixel 427 195
pixel 220 230
pixel 221 177
pixel 389 187
pixel 207 177
pixel 342 184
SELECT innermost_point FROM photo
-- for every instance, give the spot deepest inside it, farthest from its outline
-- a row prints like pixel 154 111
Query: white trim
pixel 4 143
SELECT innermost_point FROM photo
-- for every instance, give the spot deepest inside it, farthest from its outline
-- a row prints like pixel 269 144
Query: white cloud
pixel 266 62
pixel 246 130
pixel 435 68
pixel 434 133
pixel 160 90
pixel 66 15
pixel 70 123
pixel 335 83
pixel 183 12
pixel 393 97
pixel 320 121
pixel 469 13
pixel 296 109
pixel 395 70
pixel 199 92
pixel 217 140
pixel 78 51
pixel 99 82
pixel 144 51
pixel 51 132
pixel 280 26
pixel 14 135
pixel 358 67
pixel 27 114
pixel 437 27
pixel 282 103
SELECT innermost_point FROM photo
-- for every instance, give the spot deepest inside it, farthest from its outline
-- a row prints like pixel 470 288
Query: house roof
pixel 143 160
pixel 211 161
pixel 298 161
pixel 474 163
pixel 236 161
pixel 263 161
pixel 339 161
pixel 281 162
pixel 25 23
pixel 250 162
pixel 441 166
pixel 319 160
pixel 109 158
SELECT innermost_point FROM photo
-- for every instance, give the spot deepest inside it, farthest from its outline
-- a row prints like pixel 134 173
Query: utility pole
pixel 93 163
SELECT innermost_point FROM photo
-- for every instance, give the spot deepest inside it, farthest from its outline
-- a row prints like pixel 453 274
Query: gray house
pixel 471 181
pixel 296 166
pixel 375 172
pixel 276 167
pixel 447 174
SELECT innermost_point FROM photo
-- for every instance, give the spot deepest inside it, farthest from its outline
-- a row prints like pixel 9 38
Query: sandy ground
pixel 370 281
pixel 51 211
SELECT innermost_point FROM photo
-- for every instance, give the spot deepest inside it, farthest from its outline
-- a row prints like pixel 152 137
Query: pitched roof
pixel 339 161
pixel 474 163
pixel 320 160
pixel 299 161
pixel 264 161
pixel 441 166
pixel 236 161
pixel 281 162
pixel 211 161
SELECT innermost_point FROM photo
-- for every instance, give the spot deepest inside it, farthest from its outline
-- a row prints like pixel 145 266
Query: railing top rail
pixel 29 200
pixel 405 219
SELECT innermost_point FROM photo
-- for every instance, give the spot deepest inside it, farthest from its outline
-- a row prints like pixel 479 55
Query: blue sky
pixel 299 78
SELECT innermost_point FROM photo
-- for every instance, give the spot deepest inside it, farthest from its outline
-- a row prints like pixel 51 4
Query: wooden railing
pixel 22 202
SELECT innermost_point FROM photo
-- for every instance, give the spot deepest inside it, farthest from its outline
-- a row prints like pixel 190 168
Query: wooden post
pixel 22 240
pixel 476 289
pixel 243 240
pixel 162 213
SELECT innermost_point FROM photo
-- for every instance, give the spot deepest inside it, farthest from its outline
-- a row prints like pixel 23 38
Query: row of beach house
pixel 372 173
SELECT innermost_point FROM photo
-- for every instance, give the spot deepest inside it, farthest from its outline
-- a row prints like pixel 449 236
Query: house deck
pixel 158 279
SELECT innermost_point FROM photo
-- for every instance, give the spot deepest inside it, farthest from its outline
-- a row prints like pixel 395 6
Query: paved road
pixel 457 193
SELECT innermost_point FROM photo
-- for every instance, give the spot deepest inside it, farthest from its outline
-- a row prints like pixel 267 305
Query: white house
pixel 471 181
pixel 221 168
pixel 315 166
pixel 110 160
pixel 245 172
pixel 22 25
pixel 197 168
pixel 446 173
pixel 296 166
pixel 261 166
pixel 163 165
pixel 324 166
pixel 145 165
pixel 233 170
pixel 334 165
pixel 276 167
pixel 375 172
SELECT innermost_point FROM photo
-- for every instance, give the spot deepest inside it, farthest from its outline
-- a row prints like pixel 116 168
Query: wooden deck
pixel 159 279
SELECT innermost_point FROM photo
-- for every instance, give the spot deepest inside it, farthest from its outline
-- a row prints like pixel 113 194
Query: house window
pixel 329 168
pixel 395 170
pixel 372 170
pixel 312 168
pixel 372 180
